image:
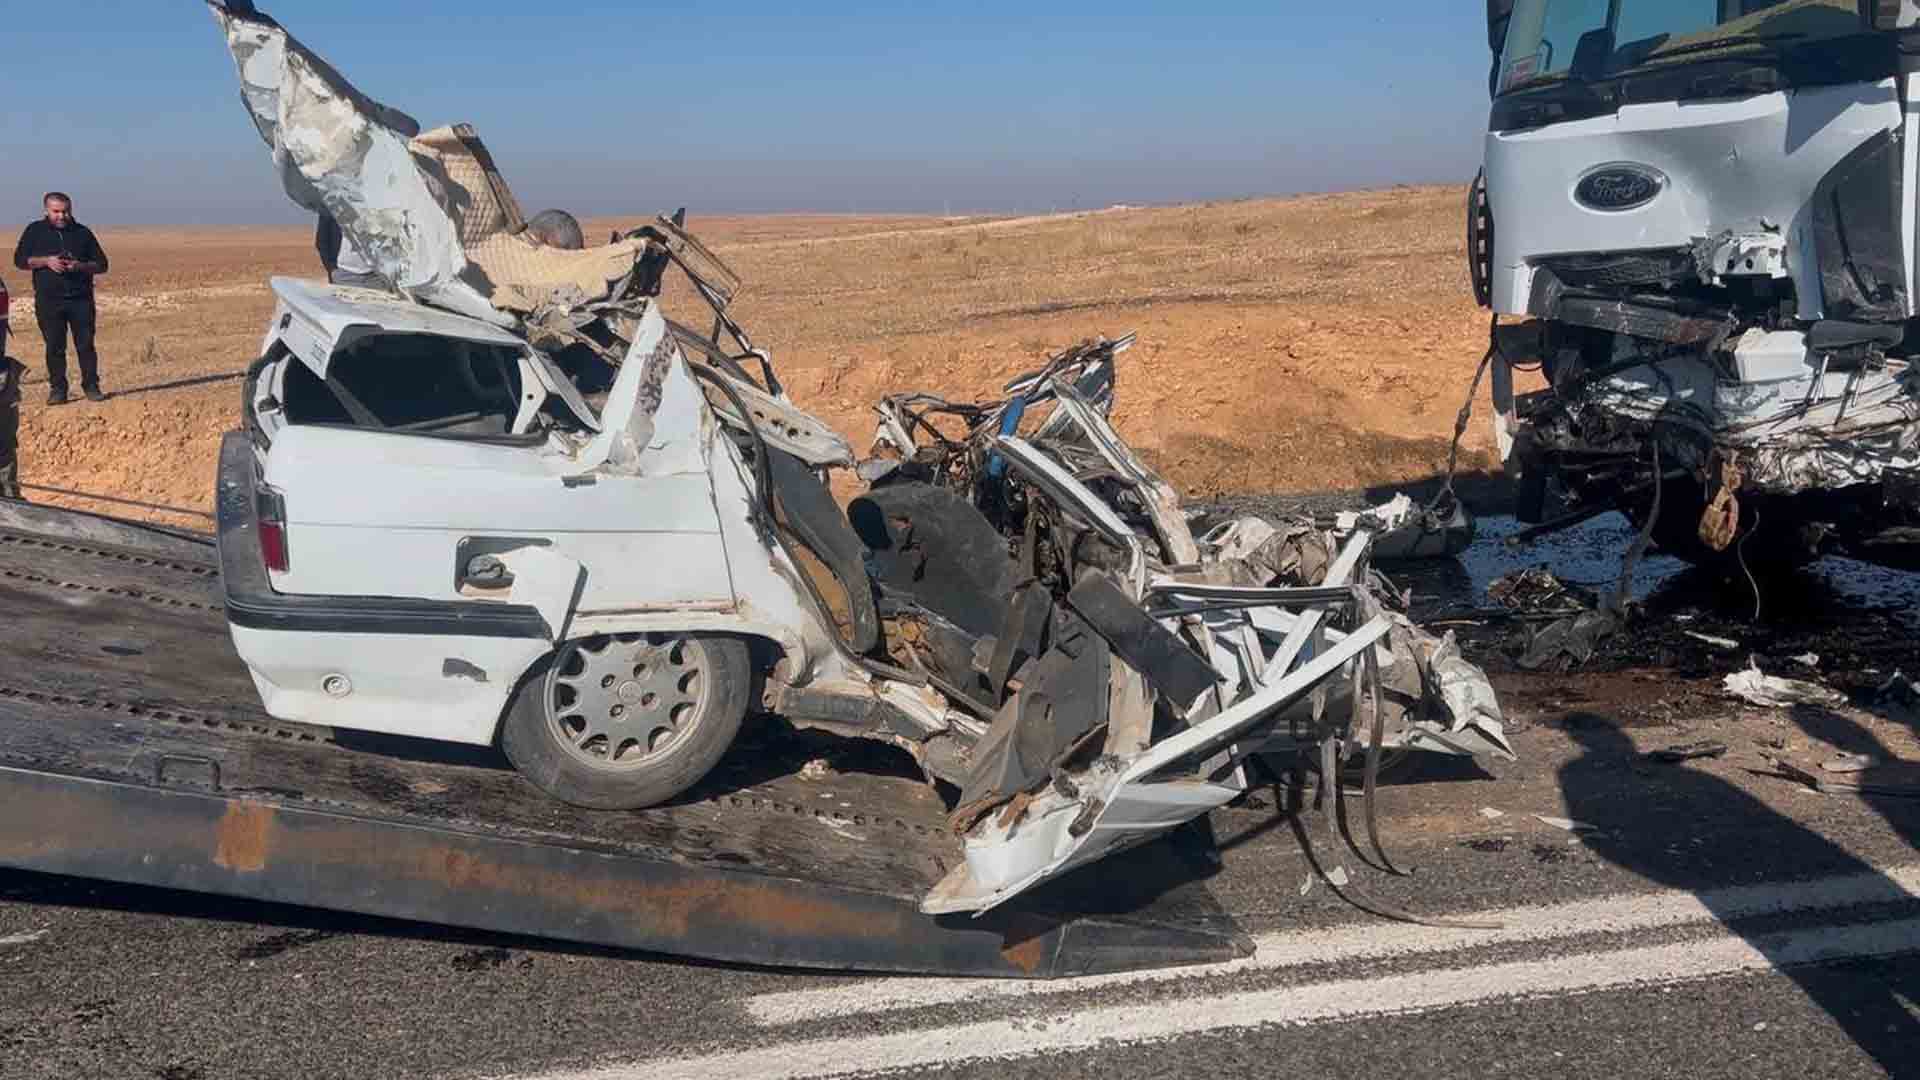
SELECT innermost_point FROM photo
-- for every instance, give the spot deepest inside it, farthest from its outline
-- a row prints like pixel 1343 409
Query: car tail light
pixel 270 512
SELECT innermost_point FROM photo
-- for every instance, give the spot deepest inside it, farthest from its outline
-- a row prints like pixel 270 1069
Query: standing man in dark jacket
pixel 64 257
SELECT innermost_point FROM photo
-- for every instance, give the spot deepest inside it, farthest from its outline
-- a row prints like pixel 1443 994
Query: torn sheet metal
pixel 1170 664
pixel 1114 807
pixel 1814 426
pixel 1773 692
pixel 428 211
pixel 1215 641
pixel 1823 419
pixel 338 152
pixel 629 423
pixel 1253 552
pixel 1039 729
pixel 785 427
pixel 1406 531
pixel 1157 497
pixel 534 575
pixel 1471 723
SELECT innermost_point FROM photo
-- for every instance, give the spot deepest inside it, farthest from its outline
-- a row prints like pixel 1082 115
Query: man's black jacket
pixel 76 241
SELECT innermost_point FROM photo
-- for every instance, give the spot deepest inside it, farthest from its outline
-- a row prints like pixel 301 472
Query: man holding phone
pixel 65 257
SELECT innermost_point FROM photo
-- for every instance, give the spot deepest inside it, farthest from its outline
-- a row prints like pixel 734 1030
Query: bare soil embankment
pixel 1285 344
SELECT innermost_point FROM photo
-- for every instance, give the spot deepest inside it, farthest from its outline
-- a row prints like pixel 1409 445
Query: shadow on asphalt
pixel 1648 816
pixel 283 927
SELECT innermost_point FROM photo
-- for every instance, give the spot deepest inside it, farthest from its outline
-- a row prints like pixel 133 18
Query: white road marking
pixel 1112 1027
pixel 1372 941
pixel 27 938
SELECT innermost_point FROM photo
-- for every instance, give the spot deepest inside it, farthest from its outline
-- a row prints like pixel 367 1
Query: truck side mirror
pixel 1499 14
pixel 1889 14
pixel 1592 54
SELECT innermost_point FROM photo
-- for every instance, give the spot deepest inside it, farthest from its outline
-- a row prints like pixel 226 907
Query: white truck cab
pixel 1708 212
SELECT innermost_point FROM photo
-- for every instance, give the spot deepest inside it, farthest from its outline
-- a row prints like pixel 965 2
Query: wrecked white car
pixel 510 501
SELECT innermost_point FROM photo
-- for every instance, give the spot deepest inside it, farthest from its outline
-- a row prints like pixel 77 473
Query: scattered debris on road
pixel 1898 699
pixel 1891 779
pixel 1849 763
pixel 1693 751
pixel 1537 591
pixel 1575 638
pixel 1406 531
pixel 1579 623
pixel 1774 692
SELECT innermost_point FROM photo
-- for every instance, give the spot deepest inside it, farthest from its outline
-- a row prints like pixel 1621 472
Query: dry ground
pixel 1285 344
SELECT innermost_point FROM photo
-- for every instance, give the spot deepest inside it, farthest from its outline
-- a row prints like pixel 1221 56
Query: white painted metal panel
pixel 446 688
pixel 1729 165
pixel 626 571
pixel 336 314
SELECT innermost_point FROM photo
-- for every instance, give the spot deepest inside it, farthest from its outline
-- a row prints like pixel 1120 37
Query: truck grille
pixel 1604 270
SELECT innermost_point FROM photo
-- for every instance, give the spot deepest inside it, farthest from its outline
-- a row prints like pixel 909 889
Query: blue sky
pixel 607 107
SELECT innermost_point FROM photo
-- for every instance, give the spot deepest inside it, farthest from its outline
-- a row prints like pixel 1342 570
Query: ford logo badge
pixel 1613 188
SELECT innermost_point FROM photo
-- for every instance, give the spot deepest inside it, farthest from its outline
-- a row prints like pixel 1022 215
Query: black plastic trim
pixel 1856 233
pixel 1643 318
pixel 252 602
pixel 1480 240
pixel 1168 663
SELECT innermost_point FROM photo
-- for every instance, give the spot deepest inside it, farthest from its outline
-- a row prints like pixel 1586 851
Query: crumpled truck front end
pixel 1714 239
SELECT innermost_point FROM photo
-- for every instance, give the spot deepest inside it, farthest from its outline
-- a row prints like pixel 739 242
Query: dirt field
pixel 1285 345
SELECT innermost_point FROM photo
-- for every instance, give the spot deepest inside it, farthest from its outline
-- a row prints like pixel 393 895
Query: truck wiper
pixel 1576 85
pixel 1748 79
pixel 1774 43
pixel 1551 102
pixel 1567 91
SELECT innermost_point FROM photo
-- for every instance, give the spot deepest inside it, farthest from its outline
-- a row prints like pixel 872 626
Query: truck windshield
pixel 1552 40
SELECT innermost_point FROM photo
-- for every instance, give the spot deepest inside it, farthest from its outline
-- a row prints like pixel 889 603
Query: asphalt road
pixel 1698 920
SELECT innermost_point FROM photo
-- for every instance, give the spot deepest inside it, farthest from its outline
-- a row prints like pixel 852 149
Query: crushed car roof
pixel 342 313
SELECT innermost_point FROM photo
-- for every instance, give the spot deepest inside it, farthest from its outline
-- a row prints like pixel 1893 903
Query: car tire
pixel 621 722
